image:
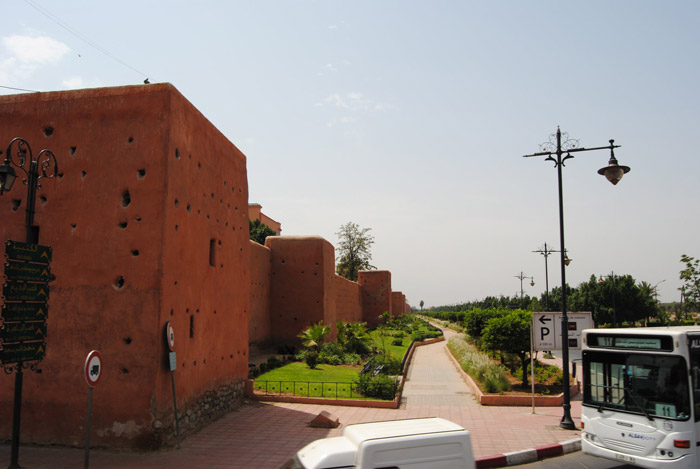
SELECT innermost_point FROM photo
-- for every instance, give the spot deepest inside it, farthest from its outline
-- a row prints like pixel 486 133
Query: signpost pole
pixel 16 410
pixel 177 424
pixel 532 361
pixel 172 362
pixel 86 465
pixel 92 372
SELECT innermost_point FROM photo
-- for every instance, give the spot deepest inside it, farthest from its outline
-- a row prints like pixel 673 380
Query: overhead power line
pixel 83 38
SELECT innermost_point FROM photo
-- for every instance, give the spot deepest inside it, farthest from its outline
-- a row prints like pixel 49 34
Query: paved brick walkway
pixel 265 435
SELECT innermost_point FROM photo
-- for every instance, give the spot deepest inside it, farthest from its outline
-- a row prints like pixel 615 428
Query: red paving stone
pixel 265 435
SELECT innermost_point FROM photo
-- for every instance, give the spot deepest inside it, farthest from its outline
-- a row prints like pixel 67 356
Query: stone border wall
pixel 208 407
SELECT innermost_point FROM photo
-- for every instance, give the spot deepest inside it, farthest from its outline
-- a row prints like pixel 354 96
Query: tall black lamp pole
pixel 24 160
pixel 613 173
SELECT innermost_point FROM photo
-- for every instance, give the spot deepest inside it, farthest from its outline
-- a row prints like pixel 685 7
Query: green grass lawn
pixel 396 351
pixel 327 380
pixel 322 381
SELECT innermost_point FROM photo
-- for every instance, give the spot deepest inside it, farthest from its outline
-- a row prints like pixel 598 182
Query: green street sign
pixel 27 272
pixel 22 331
pixel 14 291
pixel 18 251
pixel 22 352
pixel 25 311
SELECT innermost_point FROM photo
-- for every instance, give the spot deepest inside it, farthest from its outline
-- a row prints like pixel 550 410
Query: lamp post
pixel 521 277
pixel 554 150
pixel 546 252
pixel 43 166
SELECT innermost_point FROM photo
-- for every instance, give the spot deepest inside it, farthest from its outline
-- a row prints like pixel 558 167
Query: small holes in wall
pixel 177 203
pixel 42 199
pixel 83 174
pixel 172 312
pixel 48 131
pixel 177 154
pixel 72 150
pixel 123 225
pixel 138 219
pixel 118 283
pixel 127 340
pixel 135 252
pixel 126 198
pixel 125 371
pixel 141 173
pixel 191 327
pixel 73 226
pixel 212 252
pixel 176 227
pixel 131 139
pixel 189 208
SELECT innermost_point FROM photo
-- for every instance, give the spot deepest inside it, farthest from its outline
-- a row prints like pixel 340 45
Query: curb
pixel 529 455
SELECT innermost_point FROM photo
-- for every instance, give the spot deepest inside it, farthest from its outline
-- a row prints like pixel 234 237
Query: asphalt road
pixel 576 460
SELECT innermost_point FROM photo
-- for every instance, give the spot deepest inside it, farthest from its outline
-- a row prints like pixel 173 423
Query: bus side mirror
pixel 573 369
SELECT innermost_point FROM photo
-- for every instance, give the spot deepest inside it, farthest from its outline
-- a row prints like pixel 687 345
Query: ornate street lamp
pixel 19 154
pixel 521 277
pixel 24 160
pixel 554 150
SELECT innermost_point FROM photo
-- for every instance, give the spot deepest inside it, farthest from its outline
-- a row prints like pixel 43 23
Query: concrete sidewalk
pixel 265 435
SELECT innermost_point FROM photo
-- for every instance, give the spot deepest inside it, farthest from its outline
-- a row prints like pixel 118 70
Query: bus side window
pixel 695 378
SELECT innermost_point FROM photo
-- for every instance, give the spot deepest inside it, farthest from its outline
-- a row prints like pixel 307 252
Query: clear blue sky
pixel 411 118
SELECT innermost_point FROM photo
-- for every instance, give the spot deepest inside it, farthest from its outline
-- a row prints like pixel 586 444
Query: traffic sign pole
pixel 170 339
pixel 92 372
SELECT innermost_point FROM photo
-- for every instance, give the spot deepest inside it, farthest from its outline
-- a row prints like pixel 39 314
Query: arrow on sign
pixel 544 319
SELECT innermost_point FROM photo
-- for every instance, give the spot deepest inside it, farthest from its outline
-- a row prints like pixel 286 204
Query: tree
pixel 691 282
pixel 510 334
pixel 354 250
pixel 312 338
pixel 259 231
pixel 421 305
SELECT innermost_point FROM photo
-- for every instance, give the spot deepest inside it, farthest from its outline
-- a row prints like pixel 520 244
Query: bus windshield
pixel 648 384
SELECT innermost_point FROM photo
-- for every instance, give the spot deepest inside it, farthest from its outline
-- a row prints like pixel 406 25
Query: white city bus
pixel 641 396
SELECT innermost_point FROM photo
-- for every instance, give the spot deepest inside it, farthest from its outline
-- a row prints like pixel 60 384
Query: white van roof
pixel 360 432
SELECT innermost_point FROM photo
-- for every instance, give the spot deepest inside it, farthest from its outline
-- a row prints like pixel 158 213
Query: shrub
pixel 479 366
pixel 397 341
pixel 380 386
pixel 331 353
pixel 273 362
pixel 351 359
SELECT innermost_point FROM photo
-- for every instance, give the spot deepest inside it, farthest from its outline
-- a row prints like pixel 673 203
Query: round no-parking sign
pixel 170 335
pixel 93 368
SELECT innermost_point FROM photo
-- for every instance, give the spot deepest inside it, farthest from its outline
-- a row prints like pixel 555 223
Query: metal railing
pixel 328 389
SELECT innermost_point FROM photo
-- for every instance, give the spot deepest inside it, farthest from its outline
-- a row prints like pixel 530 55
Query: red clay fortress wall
pixel 376 294
pixel 259 328
pixel 148 223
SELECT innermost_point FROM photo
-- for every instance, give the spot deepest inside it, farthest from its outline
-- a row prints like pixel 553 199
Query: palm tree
pixel 313 336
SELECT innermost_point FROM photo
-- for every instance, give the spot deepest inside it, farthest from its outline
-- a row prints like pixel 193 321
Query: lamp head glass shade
pixel 7 177
pixel 613 172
